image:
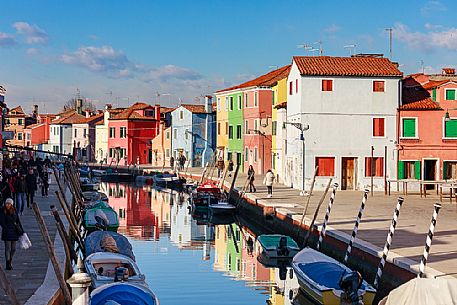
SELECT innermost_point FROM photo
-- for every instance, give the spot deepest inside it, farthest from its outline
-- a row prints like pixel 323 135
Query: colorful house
pixel 194 133
pixel 16 120
pixel 101 133
pixel 347 107
pixel 222 124
pixel 130 133
pixel 38 134
pixel 161 145
pixel 84 137
pixel 428 127
pixel 61 131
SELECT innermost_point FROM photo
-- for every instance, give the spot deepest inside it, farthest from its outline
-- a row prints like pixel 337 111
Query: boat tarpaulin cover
pixel 271 242
pixel 323 273
pixel 94 243
pixel 122 293
pixel 424 291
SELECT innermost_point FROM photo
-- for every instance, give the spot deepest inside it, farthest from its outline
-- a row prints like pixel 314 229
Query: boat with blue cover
pixel 107 241
pixel 277 246
pixel 124 293
pixel 100 217
pixel 328 281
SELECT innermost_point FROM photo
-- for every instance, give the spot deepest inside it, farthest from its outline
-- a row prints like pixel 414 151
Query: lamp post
pixel 263 146
pixel 302 128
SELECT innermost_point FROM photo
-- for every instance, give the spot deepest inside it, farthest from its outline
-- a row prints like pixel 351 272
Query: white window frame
pixel 218 104
pixel 246 126
pixel 226 103
pixel 256 154
pixel 445 93
pixel 239 102
pixel 256 99
pixel 385 127
pixel 441 167
pixel 444 130
pixel 417 128
pixel 246 100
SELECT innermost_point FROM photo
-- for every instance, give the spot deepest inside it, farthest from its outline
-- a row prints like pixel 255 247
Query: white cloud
pixel 32 33
pixel 7 40
pixel 430 40
pixel 171 72
pixel 32 51
pixel 433 6
pixel 331 29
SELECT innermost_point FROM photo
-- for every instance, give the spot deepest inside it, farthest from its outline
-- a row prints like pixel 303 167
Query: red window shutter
pixel 326 166
pixel 368 167
pixel 330 85
pixel 378 127
pixel 381 127
pixel 327 85
pixel 379 167
pixel 290 88
pixel 296 86
pixel 378 86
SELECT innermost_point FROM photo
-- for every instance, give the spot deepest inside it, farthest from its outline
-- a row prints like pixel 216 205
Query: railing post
pixel 79 284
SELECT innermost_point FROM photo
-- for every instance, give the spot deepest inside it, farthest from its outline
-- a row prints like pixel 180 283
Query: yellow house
pixel 161 147
pixel 222 125
pixel 220 248
pixel 279 135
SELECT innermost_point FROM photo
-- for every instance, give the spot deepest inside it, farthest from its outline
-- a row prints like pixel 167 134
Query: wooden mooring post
pixel 8 288
pixel 52 254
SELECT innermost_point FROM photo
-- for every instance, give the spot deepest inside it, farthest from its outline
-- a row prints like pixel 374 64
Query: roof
pixel 434 83
pixel 17 109
pixel 266 80
pixel 281 105
pixel 425 104
pixel 129 113
pixel 417 98
pixel 68 118
pixel 194 108
pixel 346 66
pixel 91 119
pixel 166 109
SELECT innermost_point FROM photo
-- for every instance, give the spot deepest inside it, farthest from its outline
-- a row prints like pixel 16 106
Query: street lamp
pixel 263 146
pixel 302 128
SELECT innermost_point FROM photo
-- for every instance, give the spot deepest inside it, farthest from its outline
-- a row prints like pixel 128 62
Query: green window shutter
pixel 409 128
pixel 401 170
pixel 450 95
pixel 417 170
pixel 444 170
pixel 434 94
pixel 450 129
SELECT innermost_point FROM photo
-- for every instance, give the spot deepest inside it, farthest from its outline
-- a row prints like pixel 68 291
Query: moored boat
pixel 105 268
pixel 328 281
pixel 107 241
pixel 100 217
pixel 123 293
pixel 277 246
pixel 91 195
pixel 168 180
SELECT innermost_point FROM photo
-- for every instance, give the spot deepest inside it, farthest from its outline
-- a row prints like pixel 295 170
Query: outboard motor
pixel 350 283
pixel 121 274
pixel 282 247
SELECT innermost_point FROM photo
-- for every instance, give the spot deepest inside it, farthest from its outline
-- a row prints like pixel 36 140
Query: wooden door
pixel 348 173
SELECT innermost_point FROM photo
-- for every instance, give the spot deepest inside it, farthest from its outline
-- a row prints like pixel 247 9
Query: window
pixel 226 128
pixel 450 94
pixel 181 115
pixel 85 132
pixel 273 97
pixel 226 103
pixel 434 94
pixel 255 124
pixel 377 167
pixel 255 99
pixel 296 86
pixel 167 153
pixel 291 85
pixel 230 133
pixel 123 132
pixel 149 113
pixel 409 170
pixel 326 166
pixel 218 128
pixel 246 126
pixel 378 127
pixel 168 135
pixel 186 134
pixel 238 132
pixel 240 105
pixel 246 100
pixel 28 136
pixel 273 127
pixel 111 152
pixel 255 154
pixel 55 148
pixel 246 154
pixel 218 104
pixel 19 135
pixel 409 128
pixel 19 121
pixel 378 86
pixel 450 128
pixel 175 133
pixel 112 132
pixel 327 85
pixel 449 170
pixel 76 132
pixel 231 103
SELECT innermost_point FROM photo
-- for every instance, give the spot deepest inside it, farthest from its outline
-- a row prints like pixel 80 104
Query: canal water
pixel 190 261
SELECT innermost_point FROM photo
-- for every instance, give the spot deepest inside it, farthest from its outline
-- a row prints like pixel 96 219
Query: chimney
pixel 208 104
pixel 448 71
pixel 79 106
pixel 34 111
pixel 87 112
pixel 108 106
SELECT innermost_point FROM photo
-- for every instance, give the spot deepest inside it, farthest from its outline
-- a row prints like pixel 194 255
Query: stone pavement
pixel 412 225
pixel 30 265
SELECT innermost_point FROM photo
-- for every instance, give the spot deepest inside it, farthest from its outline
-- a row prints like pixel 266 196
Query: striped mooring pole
pixel 428 241
pixel 390 235
pixel 327 215
pixel 356 226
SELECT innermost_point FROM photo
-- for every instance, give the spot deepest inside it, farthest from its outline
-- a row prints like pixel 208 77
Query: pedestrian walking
pixel 11 230
pixel 20 186
pixel 251 174
pixel 220 167
pixel 172 162
pixel 45 182
pixel 268 181
pixel 182 161
pixel 5 189
pixel 230 168
pixel 31 181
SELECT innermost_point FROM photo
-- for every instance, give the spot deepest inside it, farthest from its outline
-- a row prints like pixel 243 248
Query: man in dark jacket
pixel 20 188
pixel 31 181
pixel 11 230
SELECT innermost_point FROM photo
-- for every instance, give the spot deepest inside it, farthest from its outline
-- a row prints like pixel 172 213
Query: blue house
pixel 194 132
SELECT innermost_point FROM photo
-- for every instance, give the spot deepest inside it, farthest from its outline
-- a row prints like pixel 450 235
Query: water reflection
pixel 194 261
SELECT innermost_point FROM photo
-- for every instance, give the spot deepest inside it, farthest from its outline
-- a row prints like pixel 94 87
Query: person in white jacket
pixel 268 181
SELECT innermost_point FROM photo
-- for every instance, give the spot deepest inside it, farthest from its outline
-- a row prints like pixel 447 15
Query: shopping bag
pixel 24 242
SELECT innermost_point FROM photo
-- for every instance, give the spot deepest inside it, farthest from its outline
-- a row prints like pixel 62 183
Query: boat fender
pixel 350 283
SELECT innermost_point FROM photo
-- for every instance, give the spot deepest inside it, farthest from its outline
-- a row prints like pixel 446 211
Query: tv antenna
pixel 390 42
pixel 351 48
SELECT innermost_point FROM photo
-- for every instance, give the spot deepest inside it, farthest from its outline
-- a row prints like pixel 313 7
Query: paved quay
pixel 30 266
pixel 412 226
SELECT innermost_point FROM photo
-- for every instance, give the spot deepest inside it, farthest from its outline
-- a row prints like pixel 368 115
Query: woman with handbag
pixel 11 230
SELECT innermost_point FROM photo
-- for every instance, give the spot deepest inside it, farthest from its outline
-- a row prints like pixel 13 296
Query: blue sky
pixel 135 49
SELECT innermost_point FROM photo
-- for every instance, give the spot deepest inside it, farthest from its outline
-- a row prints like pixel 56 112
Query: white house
pixel 84 136
pixel 60 135
pixel 349 105
pixel 101 133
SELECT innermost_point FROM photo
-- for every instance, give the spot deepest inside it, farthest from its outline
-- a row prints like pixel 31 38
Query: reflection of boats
pixel 123 293
pixel 90 195
pixel 209 196
pixel 106 267
pixel 273 262
pixel 117 177
pixel 328 281
pixel 206 217
pixel 277 246
pixel 168 180
pixel 100 217
pixel 88 185
pixel 107 241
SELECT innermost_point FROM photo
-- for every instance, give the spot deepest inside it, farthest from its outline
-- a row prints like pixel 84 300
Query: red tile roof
pixel 425 104
pixel 166 109
pixel 69 117
pixel 129 113
pixel 417 98
pixel 90 119
pixel 266 80
pixel 434 83
pixel 346 66
pixel 194 108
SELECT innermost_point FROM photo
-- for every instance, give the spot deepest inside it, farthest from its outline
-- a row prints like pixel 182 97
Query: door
pixel 430 172
pixel 348 173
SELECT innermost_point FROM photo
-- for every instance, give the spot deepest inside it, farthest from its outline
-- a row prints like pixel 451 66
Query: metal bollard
pixel 79 283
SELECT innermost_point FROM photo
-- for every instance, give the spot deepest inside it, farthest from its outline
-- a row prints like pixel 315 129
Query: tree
pixel 86 104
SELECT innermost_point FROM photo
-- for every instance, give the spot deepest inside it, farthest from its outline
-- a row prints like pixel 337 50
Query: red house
pixel 130 133
pixel 427 127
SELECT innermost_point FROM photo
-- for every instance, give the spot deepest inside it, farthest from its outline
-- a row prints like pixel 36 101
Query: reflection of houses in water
pixel 133 205
pixel 233 254
pixel 285 290
pixel 220 247
pixel 186 233
pixel 161 203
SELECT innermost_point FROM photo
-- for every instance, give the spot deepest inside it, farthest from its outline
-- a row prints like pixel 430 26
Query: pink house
pixel 427 127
